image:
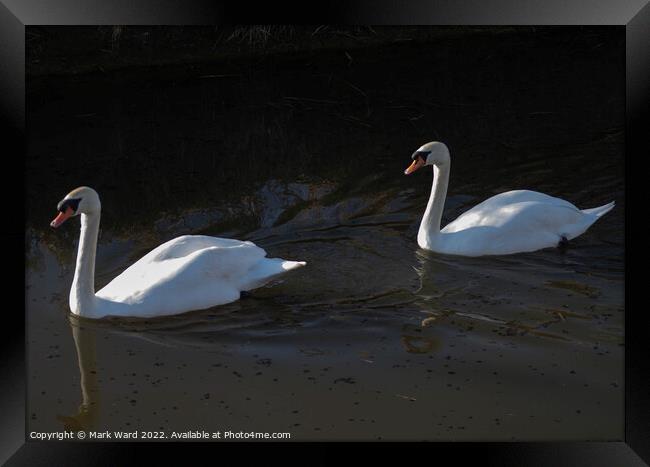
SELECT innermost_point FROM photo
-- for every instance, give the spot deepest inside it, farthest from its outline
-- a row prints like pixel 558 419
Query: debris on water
pixel 408 398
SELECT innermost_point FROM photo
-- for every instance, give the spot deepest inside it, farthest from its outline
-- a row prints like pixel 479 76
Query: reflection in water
pixel 202 330
pixel 88 412
pixel 482 294
pixel 418 344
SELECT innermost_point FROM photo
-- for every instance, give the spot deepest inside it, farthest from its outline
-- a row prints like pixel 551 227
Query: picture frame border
pixel 16 15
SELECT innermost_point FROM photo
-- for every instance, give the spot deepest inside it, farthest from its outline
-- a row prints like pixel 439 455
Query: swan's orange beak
pixel 62 217
pixel 416 164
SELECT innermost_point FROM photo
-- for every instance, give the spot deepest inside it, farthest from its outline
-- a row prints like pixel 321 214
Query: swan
pixel 512 222
pixel 191 272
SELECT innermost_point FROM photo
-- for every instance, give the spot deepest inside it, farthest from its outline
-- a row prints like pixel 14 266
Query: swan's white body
pixel 512 222
pixel 191 272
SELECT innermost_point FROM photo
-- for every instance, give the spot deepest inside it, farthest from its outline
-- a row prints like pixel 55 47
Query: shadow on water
pixel 305 158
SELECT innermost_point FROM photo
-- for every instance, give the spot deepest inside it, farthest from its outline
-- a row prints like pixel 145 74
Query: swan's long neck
pixel 82 293
pixel 430 226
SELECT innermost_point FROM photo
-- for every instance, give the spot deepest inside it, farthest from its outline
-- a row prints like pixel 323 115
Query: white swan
pixel 191 272
pixel 512 222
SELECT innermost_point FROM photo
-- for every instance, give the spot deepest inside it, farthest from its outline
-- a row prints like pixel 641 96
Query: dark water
pixel 374 339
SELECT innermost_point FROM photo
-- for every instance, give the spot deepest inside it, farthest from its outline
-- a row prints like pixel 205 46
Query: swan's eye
pixel 422 154
pixel 72 203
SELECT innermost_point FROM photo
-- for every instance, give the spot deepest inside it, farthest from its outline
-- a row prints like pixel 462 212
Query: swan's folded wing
pixel 506 207
pixel 184 265
pixel 188 244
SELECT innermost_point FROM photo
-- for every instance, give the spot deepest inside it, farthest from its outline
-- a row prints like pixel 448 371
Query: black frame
pixel 634 15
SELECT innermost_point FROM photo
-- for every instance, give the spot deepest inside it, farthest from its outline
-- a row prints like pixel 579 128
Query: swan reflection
pixel 85 343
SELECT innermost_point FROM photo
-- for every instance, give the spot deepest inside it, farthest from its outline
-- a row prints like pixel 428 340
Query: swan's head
pixel 82 200
pixel 434 153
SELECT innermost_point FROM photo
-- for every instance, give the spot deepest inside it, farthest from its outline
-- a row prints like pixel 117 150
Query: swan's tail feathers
pixel 290 265
pixel 269 269
pixel 600 210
